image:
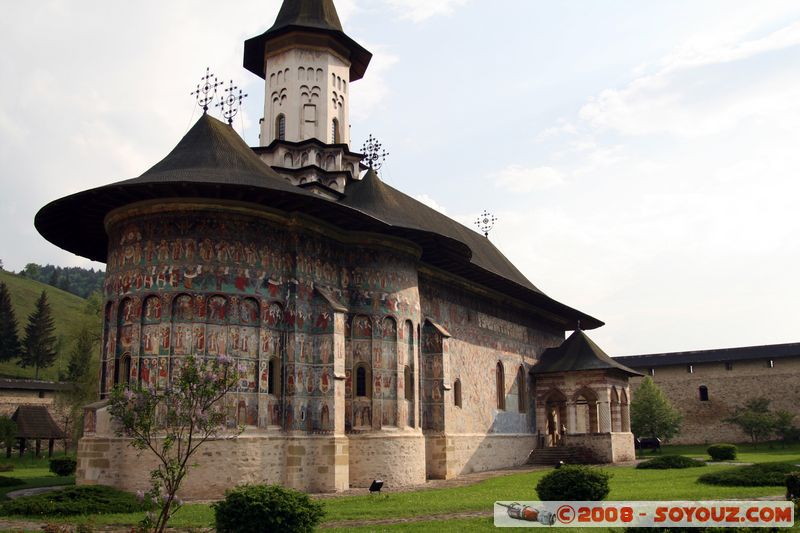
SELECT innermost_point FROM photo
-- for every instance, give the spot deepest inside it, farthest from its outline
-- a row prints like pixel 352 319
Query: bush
pixel 671 461
pixel 758 475
pixel 63 466
pixel 574 483
pixel 10 481
pixel 8 467
pixel 71 501
pixel 793 485
pixel 256 508
pixel 722 452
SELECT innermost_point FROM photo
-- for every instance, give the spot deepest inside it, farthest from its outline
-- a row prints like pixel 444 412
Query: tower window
pixel 280 128
pixel 334 131
pixel 457 393
pixel 703 393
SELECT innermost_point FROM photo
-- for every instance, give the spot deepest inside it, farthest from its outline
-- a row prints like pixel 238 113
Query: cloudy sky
pixel 642 157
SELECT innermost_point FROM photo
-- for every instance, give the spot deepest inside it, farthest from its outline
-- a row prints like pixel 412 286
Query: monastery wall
pixel 467 428
pixel 727 389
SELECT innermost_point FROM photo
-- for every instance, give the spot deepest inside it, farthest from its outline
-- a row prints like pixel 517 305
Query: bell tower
pixel 307 63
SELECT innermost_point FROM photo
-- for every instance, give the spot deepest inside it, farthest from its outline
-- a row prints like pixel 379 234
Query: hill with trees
pixel 78 281
pixel 69 317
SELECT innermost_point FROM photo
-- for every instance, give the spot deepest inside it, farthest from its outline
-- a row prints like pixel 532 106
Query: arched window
pixel 363 381
pixel 703 393
pixel 457 393
pixel 335 131
pixel 280 127
pixel 122 370
pixel 522 391
pixel 408 376
pixel 274 377
pixel 500 375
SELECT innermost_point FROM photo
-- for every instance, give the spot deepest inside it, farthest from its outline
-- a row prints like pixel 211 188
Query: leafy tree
pixel 40 346
pixel 785 428
pixel 173 424
pixel 651 413
pixel 9 339
pixel 755 419
pixel 8 432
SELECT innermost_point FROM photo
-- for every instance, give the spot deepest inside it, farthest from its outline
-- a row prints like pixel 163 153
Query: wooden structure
pixel 34 422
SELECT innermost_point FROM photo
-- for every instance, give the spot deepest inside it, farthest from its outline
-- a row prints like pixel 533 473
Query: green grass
pixel 766 452
pixel 627 483
pixel 67 313
pixel 34 472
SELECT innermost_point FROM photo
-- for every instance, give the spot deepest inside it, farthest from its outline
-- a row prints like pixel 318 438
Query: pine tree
pixel 9 339
pixel 651 413
pixel 40 344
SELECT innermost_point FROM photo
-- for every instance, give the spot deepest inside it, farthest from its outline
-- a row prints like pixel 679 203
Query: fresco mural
pixel 206 284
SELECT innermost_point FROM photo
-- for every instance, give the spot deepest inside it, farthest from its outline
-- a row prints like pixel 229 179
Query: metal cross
pixel 232 102
pixel 206 90
pixel 374 154
pixel 485 223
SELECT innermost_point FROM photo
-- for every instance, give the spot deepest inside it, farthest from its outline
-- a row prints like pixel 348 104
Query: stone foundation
pixel 605 447
pixel 396 458
pixel 449 456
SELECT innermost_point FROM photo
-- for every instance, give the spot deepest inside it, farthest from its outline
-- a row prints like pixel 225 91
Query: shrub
pixel 793 485
pixel 8 467
pixel 95 499
pixel 758 475
pixel 574 483
pixel 63 466
pixel 256 508
pixel 722 452
pixel 671 461
pixel 10 481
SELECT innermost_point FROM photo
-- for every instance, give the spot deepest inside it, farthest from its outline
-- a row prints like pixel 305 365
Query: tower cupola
pixel 307 63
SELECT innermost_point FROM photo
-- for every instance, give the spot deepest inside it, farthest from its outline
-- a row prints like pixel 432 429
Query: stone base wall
pixel 606 447
pixel 313 464
pixel 396 458
pixel 450 456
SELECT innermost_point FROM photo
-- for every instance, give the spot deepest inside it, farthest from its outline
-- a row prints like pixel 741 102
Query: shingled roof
pixel 721 355
pixel 35 422
pixel 310 16
pixel 578 352
pixel 213 162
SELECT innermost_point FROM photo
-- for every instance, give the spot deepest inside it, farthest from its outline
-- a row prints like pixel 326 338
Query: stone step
pixel 553 456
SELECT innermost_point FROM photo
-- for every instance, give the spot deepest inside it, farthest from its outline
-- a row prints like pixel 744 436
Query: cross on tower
pixel 374 153
pixel 485 223
pixel 232 102
pixel 206 90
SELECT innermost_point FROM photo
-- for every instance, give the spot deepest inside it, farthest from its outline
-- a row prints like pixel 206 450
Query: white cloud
pixel 703 89
pixel 367 94
pixel 421 10
pixel 430 202
pixel 517 178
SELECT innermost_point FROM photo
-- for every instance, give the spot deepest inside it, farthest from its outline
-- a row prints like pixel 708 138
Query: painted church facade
pixel 375 337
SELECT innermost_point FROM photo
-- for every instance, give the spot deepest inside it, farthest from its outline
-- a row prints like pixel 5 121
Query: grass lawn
pixel 766 452
pixel 627 483
pixel 34 472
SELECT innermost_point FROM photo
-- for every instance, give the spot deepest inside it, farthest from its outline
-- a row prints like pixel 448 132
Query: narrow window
pixel 690 369
pixel 457 393
pixel 274 377
pixel 771 363
pixel 729 365
pixel 522 393
pixel 652 372
pixel 501 389
pixel 334 131
pixel 409 382
pixel 361 382
pixel 703 393
pixel 280 128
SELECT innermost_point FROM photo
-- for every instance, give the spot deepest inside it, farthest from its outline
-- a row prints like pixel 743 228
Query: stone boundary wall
pixel 703 421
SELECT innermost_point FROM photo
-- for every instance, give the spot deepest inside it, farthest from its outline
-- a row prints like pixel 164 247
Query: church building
pixel 378 338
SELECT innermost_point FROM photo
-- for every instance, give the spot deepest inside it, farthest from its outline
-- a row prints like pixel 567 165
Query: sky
pixel 641 157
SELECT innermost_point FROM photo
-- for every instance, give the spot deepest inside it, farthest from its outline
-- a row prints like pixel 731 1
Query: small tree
pixel 9 339
pixel 40 344
pixel 651 413
pixel 755 419
pixel 8 432
pixel 174 423
pixel 785 428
